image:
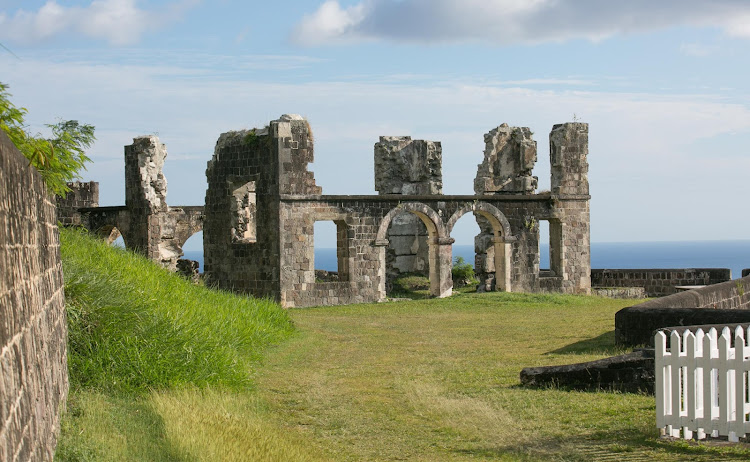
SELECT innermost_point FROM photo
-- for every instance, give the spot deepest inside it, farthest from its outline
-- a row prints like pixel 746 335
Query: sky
pixel 663 86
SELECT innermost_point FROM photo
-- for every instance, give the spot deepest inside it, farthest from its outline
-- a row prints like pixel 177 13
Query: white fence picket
pixel 703 383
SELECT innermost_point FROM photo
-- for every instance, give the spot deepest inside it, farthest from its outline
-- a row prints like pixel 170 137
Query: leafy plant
pixel 463 273
pixel 60 158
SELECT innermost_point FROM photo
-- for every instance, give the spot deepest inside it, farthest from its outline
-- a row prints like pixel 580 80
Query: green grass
pixel 141 342
pixel 438 380
pixel 423 380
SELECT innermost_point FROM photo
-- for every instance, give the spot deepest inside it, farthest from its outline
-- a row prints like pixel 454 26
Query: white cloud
pixel 658 158
pixel 328 23
pixel 513 21
pixel 119 22
pixel 698 49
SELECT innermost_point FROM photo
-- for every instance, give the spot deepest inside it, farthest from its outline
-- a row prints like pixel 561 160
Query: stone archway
pixel 110 233
pixel 501 240
pixel 439 247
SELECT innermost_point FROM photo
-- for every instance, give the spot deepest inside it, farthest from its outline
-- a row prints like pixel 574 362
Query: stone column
pixel 145 194
pixel 570 235
pixel 441 265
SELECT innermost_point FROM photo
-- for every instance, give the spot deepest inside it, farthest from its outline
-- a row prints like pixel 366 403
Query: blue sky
pixel 663 85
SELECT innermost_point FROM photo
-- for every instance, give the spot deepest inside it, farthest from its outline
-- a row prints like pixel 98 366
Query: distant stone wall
pixel 33 332
pixel 81 195
pixel 724 303
pixel 659 282
pixel 619 292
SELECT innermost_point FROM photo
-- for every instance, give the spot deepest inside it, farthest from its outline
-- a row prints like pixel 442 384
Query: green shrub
pixel 463 273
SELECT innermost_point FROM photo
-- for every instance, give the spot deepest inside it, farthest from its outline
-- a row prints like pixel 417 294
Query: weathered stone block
pixel 509 157
pixel 406 166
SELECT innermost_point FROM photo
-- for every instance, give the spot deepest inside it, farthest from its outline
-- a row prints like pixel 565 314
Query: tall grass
pixel 135 327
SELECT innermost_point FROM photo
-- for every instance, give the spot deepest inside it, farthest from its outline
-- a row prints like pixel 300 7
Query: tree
pixel 59 159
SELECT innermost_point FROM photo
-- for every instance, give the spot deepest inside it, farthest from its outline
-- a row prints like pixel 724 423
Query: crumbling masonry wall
pixel 146 223
pixel 407 167
pixel 33 330
pixel 262 204
pixel 509 158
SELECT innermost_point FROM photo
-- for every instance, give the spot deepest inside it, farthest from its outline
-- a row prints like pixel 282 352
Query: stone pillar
pixel 509 158
pixel 441 265
pixel 408 167
pixel 154 230
pixel 570 231
pixel 145 194
pixel 484 255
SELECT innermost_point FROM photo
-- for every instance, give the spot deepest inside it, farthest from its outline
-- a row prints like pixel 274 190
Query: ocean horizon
pixel 734 255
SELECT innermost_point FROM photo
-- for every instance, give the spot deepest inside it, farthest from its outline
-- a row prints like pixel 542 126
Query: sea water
pixel 734 255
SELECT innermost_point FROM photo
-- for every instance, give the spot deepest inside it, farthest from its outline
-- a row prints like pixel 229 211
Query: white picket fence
pixel 702 383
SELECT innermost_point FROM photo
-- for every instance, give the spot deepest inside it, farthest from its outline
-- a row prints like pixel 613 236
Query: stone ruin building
pixel 262 204
pixel 146 223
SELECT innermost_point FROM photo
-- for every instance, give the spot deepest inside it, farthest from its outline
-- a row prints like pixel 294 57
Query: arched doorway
pixel 192 249
pixel 438 246
pixel 111 235
pixel 493 245
pixel 464 253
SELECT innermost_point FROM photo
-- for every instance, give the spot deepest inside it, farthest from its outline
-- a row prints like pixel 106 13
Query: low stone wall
pixel 633 372
pixel 33 330
pixel 619 292
pixel 724 303
pixel 659 282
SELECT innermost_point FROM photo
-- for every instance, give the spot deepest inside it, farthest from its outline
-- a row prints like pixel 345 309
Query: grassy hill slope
pixel 149 350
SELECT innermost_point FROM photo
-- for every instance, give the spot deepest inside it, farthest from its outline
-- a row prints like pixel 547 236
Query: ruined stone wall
pixel 363 217
pixel 146 223
pixel 408 167
pixel 242 229
pixel 658 282
pixel 361 271
pixel 509 158
pixel 145 193
pixel 33 332
pixel 151 226
pixel 81 195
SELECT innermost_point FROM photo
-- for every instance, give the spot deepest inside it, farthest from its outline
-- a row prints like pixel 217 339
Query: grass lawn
pixel 165 371
pixel 438 380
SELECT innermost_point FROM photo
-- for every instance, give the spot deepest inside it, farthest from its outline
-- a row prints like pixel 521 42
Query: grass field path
pixel 439 380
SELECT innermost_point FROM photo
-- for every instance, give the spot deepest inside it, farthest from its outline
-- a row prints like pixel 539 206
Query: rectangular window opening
pixel 331 253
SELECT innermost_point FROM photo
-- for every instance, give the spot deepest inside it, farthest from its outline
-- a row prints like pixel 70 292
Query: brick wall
pixel 33 332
